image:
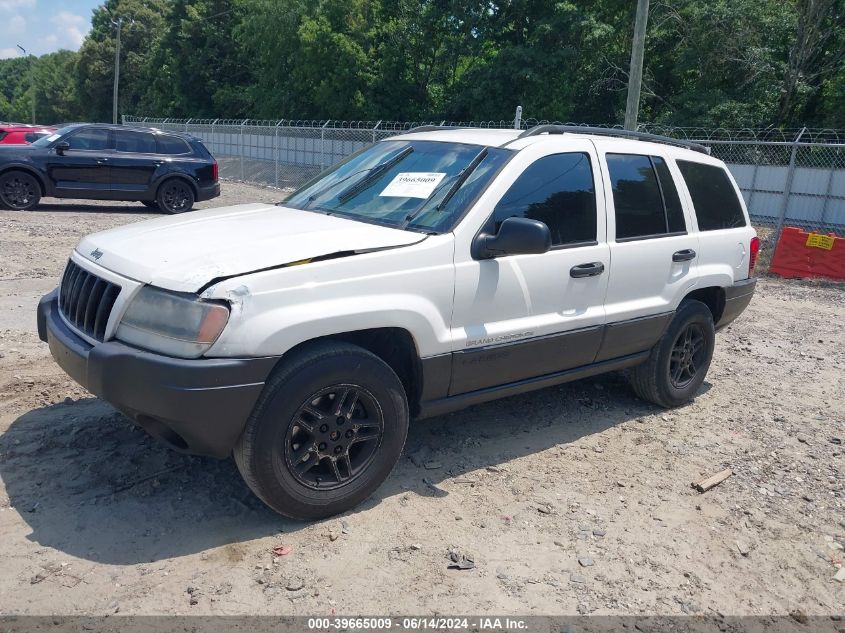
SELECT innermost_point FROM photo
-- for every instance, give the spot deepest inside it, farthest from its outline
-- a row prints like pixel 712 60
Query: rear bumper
pixel 197 406
pixel 737 298
pixel 208 192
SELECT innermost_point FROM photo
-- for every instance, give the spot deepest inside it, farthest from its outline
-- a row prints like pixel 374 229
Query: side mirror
pixel 62 147
pixel 516 236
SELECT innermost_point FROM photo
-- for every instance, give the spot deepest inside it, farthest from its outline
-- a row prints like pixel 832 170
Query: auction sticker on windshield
pixel 413 184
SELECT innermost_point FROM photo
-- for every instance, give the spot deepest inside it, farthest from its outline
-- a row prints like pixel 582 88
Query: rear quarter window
pixel 714 198
pixel 172 145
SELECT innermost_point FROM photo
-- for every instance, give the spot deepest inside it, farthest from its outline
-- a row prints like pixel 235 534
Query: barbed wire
pixel 691 133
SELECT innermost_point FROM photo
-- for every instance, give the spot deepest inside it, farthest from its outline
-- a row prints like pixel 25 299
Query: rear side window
pixel 713 196
pixel 559 191
pixel 135 142
pixel 645 198
pixel 3 134
pixel 90 139
pixel 172 145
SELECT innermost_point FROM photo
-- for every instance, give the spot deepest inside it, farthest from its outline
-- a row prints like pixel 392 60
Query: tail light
pixel 215 171
pixel 753 251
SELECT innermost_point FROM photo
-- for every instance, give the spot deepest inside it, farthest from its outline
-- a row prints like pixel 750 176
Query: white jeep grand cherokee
pixel 431 271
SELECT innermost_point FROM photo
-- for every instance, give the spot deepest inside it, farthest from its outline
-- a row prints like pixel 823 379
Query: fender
pixel 156 183
pixel 46 189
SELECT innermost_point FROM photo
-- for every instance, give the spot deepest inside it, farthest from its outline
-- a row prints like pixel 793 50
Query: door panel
pixel 84 167
pixel 650 273
pixel 134 162
pixel 523 316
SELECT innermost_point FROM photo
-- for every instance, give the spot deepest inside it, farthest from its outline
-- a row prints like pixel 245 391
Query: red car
pixel 22 133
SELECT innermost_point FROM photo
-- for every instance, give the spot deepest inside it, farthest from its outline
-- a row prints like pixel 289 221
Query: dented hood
pixel 186 252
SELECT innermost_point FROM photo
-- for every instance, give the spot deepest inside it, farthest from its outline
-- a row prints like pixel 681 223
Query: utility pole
pixel 635 76
pixel 118 23
pixel 31 79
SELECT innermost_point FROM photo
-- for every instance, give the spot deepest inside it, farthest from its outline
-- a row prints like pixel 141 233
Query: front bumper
pixel 197 406
pixel 737 298
pixel 208 192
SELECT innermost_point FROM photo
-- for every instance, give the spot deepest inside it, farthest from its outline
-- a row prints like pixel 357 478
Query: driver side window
pixel 92 140
pixel 559 191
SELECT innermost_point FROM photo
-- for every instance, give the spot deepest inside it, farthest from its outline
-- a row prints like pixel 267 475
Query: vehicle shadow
pixel 91 484
pixel 73 206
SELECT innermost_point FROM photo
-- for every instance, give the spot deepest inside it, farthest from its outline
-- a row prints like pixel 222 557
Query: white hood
pixel 185 252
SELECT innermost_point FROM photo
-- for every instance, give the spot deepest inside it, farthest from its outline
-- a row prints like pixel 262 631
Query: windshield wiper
pixel 459 181
pixel 375 173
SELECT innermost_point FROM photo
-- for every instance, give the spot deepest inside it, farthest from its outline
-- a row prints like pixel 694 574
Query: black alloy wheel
pixel 19 191
pixel 175 196
pixel 688 354
pixel 335 435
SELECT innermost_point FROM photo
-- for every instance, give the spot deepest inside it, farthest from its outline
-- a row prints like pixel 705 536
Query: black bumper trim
pixel 208 192
pixel 737 298
pixel 204 402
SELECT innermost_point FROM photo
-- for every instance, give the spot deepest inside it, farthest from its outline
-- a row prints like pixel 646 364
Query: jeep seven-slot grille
pixel 86 300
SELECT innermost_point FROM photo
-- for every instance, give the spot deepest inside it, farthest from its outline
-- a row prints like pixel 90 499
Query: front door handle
pixel 158 163
pixel 102 161
pixel 684 255
pixel 586 270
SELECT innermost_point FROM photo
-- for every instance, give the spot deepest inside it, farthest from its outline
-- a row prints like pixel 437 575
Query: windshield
pixel 423 185
pixel 47 140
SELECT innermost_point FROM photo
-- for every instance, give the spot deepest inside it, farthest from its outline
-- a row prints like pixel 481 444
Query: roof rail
pixel 615 132
pixel 431 128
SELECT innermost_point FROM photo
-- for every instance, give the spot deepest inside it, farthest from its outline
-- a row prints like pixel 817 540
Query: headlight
pixel 171 323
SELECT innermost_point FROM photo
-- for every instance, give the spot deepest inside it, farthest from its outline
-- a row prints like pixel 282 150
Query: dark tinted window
pixel 636 196
pixel 3 135
pixel 135 142
pixel 89 139
pixel 31 137
pixel 713 196
pixel 674 211
pixel 557 190
pixel 172 145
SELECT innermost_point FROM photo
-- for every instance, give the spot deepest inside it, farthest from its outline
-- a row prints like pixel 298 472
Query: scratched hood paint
pixel 185 252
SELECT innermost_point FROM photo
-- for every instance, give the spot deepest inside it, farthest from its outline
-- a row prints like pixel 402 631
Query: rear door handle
pixel 683 256
pixel 102 161
pixel 158 163
pixel 586 270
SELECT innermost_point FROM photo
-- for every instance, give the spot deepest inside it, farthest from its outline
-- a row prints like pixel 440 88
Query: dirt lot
pixel 574 499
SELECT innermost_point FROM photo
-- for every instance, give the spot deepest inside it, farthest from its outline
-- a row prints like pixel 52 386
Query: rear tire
pixel 175 196
pixel 19 191
pixel 679 362
pixel 327 430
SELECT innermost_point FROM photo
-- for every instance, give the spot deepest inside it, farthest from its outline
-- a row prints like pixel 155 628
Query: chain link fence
pixel 788 177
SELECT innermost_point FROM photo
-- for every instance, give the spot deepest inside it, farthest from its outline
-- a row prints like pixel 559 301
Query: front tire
pixel 679 362
pixel 19 191
pixel 327 430
pixel 175 196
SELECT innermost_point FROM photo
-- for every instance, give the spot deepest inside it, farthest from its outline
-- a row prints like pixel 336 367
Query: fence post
pixel 823 220
pixel 517 120
pixel 186 125
pixel 276 149
pixel 243 123
pixel 790 174
pixel 323 145
pixel 374 131
pixel 212 142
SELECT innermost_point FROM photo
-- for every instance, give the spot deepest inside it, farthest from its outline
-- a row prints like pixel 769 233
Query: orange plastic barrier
pixel 804 255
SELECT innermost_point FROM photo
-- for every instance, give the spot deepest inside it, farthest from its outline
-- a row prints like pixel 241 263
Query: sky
pixel 43 26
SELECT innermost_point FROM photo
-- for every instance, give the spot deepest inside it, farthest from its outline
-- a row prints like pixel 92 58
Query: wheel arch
pixel 161 181
pixel 711 296
pixel 393 345
pixel 29 170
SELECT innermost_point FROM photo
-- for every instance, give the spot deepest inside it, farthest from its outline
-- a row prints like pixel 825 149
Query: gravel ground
pixel 575 499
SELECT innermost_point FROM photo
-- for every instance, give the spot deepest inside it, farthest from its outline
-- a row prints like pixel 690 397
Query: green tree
pixel 143 25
